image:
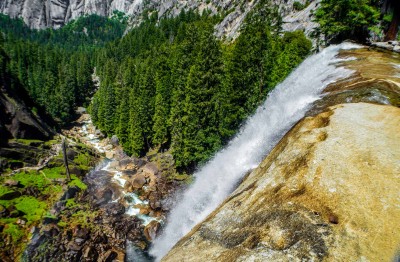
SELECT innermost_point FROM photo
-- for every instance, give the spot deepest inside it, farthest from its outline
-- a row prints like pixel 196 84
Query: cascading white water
pixel 285 105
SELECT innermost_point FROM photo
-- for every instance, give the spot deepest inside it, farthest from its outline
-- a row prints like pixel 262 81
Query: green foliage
pixel 28 142
pixel 340 19
pixel 298 6
pixel 62 224
pixel 55 66
pixel 84 33
pixel 167 84
pixel 70 203
pixel 14 231
pixel 174 85
pixel 388 17
pixel 77 182
pixel 4 190
pixel 40 190
pixel 40 179
pixel 31 207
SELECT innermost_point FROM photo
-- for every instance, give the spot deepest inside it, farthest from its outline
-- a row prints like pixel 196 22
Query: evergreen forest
pixel 173 85
pixel 168 84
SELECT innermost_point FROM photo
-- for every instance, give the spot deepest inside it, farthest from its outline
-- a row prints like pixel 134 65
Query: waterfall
pixel 285 105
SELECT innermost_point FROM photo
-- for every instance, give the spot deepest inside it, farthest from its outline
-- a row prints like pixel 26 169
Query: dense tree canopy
pixel 173 85
pixel 341 19
pixel 167 84
pixel 55 66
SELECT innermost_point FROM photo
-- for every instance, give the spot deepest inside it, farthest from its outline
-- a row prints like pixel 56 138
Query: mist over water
pixel 285 105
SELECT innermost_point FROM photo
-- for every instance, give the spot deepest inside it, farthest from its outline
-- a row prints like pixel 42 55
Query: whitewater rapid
pixel 285 105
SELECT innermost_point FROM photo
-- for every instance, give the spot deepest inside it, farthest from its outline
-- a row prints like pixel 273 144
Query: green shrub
pixel 31 207
pixel 298 6
pixel 346 19
pixel 77 182
pixel 14 231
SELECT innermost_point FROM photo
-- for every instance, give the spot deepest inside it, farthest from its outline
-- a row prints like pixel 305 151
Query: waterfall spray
pixel 285 105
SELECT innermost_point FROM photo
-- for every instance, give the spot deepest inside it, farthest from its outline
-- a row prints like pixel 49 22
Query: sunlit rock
pixel 328 190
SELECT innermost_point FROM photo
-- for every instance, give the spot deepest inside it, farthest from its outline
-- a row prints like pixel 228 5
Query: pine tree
pixel 161 111
pixel 122 129
pixel 201 137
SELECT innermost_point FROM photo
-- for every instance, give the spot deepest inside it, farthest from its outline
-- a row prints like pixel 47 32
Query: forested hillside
pixel 174 85
pixel 56 66
pixel 169 83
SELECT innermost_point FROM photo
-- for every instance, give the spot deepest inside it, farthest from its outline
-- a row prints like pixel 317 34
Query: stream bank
pixel 118 214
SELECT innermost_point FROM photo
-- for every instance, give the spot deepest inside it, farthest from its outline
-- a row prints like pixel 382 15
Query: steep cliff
pixel 55 13
pixel 328 191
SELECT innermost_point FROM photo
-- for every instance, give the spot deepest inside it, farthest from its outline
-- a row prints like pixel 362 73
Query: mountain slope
pixel 42 14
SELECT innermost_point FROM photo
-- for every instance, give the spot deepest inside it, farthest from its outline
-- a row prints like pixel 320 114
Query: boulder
pixel 114 165
pixel 74 170
pixel 327 192
pixel 98 133
pixel 108 256
pixel 137 181
pixel 131 163
pixel 73 246
pixel 70 193
pixel 80 232
pixel 144 209
pixel 114 141
pixel 16 118
pixel 150 169
pixel 109 154
pixel 50 230
pixel 114 209
pixel 154 200
pixel 79 241
pixel 90 254
pixel 126 164
pixel 150 231
pixel 103 196
pixel 80 110
pixel 71 154
pixel 11 183
pixel 129 173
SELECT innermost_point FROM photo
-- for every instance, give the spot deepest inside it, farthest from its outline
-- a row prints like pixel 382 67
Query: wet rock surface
pixel 327 192
pixel 390 45
pixel 375 80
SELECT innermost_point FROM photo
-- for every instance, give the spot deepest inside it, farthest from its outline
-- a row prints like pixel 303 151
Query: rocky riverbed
pixel 121 210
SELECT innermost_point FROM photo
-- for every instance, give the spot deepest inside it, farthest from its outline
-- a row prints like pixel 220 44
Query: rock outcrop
pixel 42 14
pixel 328 191
pixel 18 121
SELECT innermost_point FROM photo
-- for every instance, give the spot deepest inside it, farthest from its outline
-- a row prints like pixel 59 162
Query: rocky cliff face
pixel 17 121
pixel 55 13
pixel 328 191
